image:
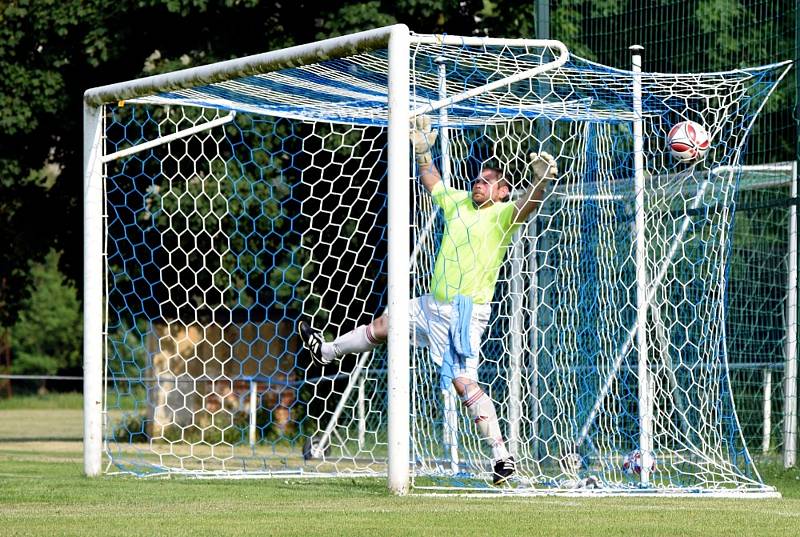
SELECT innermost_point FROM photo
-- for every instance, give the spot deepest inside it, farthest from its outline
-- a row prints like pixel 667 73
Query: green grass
pixel 43 492
pixel 41 424
pixel 55 400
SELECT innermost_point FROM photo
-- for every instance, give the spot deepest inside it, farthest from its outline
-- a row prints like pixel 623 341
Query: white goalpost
pixel 225 203
pixel 396 38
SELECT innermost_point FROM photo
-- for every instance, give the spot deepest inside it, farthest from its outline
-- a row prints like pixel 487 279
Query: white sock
pixel 481 409
pixel 356 341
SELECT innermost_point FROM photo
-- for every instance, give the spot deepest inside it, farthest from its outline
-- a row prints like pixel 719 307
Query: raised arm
pixel 423 138
pixel 544 169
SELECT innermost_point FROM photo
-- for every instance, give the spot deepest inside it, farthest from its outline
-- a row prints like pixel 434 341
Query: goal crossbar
pixel 247 66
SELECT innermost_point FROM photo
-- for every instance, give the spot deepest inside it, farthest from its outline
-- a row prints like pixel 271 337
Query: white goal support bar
pixel 168 138
pixel 399 287
pixel 355 379
pixel 642 298
pixel 562 58
pixel 790 351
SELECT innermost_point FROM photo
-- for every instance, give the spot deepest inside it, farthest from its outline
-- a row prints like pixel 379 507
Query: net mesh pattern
pixel 217 243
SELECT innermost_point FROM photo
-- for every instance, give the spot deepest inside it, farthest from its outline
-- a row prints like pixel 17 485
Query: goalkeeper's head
pixel 490 187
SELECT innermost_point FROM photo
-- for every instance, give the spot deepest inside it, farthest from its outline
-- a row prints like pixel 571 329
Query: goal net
pixel 761 311
pixel 237 199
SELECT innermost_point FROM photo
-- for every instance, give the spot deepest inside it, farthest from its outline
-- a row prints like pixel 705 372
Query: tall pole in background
pixel 542 19
pixel 790 369
pixel 790 352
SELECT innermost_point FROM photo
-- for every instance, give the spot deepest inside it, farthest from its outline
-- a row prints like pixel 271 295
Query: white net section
pixel 218 242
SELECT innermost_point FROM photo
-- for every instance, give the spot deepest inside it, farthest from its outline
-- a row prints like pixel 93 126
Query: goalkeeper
pixel 452 318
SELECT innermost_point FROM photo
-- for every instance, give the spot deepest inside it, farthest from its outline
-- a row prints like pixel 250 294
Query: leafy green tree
pixel 47 335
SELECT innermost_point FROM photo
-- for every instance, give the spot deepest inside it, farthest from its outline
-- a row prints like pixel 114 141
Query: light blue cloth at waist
pixel 460 346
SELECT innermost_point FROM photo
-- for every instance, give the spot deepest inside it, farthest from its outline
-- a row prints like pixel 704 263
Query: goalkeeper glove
pixel 544 166
pixel 423 138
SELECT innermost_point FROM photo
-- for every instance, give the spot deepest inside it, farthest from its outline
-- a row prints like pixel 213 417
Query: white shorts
pixel 430 326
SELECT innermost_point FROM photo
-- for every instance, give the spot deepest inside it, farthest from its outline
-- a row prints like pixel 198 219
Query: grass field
pixel 43 492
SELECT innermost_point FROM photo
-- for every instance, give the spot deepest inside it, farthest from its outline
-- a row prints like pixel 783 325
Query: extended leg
pixel 363 338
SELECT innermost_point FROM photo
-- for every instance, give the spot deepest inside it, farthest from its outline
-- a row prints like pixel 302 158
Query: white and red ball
pixel 688 141
pixel 632 464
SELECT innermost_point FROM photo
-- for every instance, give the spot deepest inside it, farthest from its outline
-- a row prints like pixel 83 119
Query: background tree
pixel 46 337
pixel 51 51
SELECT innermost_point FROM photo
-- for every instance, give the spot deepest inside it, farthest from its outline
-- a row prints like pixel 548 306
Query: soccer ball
pixel 632 464
pixel 688 141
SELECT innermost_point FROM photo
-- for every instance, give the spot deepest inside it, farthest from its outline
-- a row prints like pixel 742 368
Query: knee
pixel 465 386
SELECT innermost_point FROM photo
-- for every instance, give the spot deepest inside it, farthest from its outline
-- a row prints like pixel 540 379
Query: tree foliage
pixel 47 335
pixel 52 50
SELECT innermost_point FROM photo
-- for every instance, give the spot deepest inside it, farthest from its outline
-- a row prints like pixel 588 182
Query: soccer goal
pixel 225 203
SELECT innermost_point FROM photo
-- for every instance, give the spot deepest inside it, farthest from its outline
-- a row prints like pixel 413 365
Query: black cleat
pixel 312 341
pixel 503 469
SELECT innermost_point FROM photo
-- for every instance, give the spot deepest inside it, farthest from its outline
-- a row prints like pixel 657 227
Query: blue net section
pixel 219 242
pixel 214 245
